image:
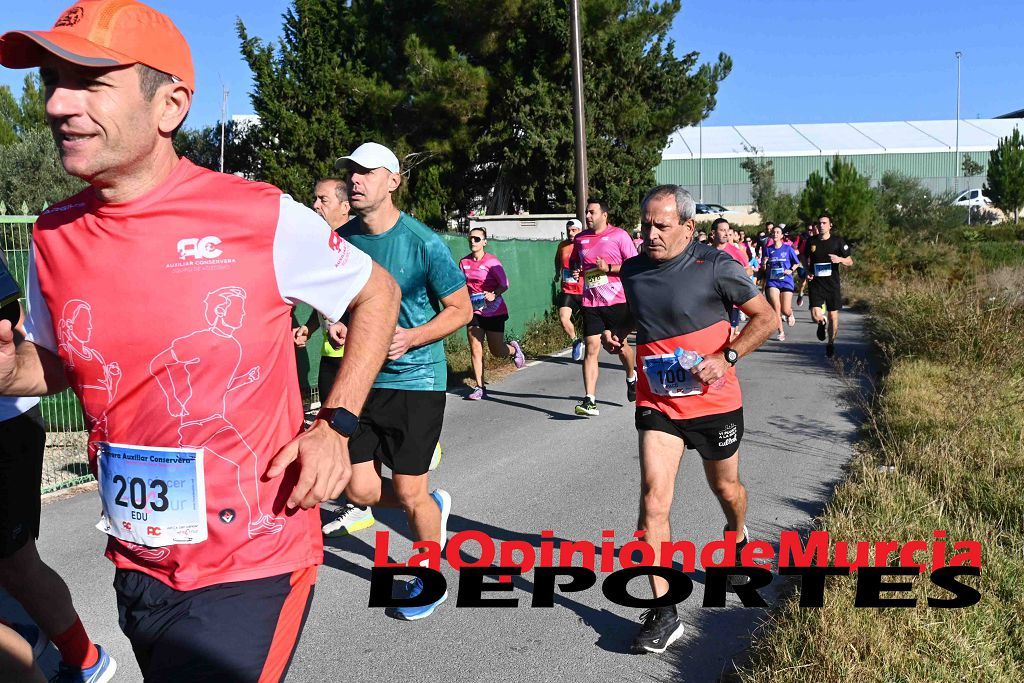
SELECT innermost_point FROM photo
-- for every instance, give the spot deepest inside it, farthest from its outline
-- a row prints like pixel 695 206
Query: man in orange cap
pixel 189 387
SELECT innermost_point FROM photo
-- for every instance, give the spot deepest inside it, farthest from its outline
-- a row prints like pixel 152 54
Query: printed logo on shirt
pixel 337 243
pixel 199 248
pixel 200 253
pixel 59 209
pixel 227 515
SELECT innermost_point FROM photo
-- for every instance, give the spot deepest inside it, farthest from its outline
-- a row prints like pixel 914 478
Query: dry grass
pixel 950 420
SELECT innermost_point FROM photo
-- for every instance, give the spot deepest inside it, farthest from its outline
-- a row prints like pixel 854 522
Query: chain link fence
pixel 66 460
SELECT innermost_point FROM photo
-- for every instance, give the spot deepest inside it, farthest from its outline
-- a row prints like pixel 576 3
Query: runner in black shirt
pixel 825 254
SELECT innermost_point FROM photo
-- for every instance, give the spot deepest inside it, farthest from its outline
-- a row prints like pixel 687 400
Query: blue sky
pixel 794 61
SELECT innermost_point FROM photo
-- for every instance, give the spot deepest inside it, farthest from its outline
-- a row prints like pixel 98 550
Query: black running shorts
pixel 597 319
pixel 715 437
pixel 823 294
pixel 400 429
pixel 488 323
pixel 242 631
pixel 22 440
pixel 573 301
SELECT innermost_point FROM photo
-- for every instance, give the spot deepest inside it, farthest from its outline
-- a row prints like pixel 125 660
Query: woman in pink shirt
pixel 487 281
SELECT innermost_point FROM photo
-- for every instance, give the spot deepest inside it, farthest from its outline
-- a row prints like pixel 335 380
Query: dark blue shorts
pixel 241 631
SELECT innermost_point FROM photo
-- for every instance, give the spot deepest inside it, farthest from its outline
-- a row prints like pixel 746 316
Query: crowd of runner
pixel 195 417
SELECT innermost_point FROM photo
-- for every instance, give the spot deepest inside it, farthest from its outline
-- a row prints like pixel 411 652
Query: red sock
pixel 76 649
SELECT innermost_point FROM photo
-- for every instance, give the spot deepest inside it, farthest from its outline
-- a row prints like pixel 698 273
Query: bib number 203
pixel 136 493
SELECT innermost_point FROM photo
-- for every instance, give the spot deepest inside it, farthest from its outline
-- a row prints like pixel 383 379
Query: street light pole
pixel 956 153
pixel 700 165
pixel 578 119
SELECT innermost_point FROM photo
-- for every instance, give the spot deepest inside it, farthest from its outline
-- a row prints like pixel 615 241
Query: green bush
pixel 996 254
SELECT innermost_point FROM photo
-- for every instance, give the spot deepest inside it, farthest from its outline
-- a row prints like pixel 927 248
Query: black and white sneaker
pixel 739 580
pixel 821 330
pixel 661 627
pixel 587 407
pixel 631 390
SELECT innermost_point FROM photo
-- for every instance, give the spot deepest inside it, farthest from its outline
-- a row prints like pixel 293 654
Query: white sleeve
pixel 315 265
pixel 38 324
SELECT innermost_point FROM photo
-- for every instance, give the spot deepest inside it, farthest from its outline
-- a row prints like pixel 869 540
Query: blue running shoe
pixel 410 589
pixel 444 502
pixel 577 350
pixel 100 672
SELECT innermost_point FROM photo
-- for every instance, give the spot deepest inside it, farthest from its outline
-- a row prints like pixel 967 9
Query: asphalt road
pixel 522 462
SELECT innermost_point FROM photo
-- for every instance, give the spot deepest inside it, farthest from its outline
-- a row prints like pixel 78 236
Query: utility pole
pixel 578 118
pixel 223 116
pixel 956 152
pixel 700 164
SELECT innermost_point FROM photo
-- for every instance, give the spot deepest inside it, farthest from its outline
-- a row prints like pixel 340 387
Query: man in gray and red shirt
pixel 680 293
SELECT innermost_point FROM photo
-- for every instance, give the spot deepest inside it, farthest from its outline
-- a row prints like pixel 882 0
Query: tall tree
pixel 17 117
pixel 844 194
pixel 31 174
pixel 477 97
pixel 1005 186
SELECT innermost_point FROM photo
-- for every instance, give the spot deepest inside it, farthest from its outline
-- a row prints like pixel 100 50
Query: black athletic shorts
pixel 573 301
pixel 488 323
pixel 242 631
pixel 329 366
pixel 400 429
pixel 824 294
pixel 22 440
pixel 715 437
pixel 597 319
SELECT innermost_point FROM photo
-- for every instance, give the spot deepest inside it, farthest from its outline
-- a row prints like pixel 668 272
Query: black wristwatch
pixel 340 420
pixel 731 356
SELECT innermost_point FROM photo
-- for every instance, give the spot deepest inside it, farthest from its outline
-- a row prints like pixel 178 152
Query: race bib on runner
pixel 568 278
pixel 667 377
pixel 152 496
pixel 479 301
pixel 822 270
pixel 594 278
pixel 777 274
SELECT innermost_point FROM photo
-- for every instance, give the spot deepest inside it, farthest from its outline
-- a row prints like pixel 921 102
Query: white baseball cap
pixel 574 223
pixel 371 155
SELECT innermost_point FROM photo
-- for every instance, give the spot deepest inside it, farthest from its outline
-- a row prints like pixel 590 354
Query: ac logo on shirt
pixel 199 248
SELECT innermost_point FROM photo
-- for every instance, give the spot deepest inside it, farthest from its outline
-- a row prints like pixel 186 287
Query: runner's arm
pixel 760 325
pixel 371 323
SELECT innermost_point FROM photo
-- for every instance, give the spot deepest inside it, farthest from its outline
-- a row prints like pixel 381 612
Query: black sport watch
pixel 340 420
pixel 731 356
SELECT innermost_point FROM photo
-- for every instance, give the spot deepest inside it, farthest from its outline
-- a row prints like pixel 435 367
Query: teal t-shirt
pixel 424 268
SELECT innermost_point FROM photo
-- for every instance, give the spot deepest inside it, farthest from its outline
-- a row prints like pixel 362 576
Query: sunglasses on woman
pixel 476 239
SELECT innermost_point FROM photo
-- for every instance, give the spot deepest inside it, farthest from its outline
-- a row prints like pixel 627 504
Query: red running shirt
pixel 172 316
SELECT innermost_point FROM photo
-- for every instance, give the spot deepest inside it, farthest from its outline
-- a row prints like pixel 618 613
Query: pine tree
pixel 1005 186
pixel 476 97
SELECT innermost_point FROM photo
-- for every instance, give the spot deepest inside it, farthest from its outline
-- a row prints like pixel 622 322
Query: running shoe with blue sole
pixel 444 502
pixel 410 589
pixel 100 672
pixel 577 350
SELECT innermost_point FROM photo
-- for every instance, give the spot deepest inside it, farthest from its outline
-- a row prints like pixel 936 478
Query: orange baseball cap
pixel 104 33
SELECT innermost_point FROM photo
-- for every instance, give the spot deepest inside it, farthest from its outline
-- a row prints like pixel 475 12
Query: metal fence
pixel 66 461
